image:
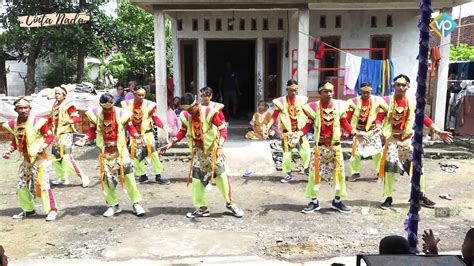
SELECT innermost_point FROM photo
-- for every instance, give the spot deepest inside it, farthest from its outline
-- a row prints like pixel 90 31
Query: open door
pixel 272 71
pixel 188 56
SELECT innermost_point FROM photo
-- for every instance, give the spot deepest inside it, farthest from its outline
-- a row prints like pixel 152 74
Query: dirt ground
pixel 272 213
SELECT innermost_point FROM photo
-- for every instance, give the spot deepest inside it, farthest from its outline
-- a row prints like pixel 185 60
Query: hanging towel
pixel 318 48
pixel 351 73
pixel 370 71
pixel 435 57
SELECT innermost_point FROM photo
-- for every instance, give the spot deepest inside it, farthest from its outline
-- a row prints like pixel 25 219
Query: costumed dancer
pixel 289 109
pixel 327 161
pixel 31 137
pixel 259 123
pixel 62 118
pixel 206 134
pixel 108 128
pixel 144 115
pixel 398 131
pixel 366 113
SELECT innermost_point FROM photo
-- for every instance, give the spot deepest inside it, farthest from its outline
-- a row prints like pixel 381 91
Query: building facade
pixel 269 42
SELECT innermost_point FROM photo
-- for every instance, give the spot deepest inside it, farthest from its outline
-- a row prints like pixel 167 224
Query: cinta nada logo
pixel 443 24
pixel 53 19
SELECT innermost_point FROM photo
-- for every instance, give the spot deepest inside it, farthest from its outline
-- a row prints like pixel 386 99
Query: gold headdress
pixel 366 88
pixel 292 87
pixel 23 103
pixel 107 105
pixel 327 86
pixel 140 90
pixel 401 80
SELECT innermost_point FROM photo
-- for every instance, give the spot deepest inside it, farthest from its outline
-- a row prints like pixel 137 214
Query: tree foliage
pixel 136 41
pixel 463 52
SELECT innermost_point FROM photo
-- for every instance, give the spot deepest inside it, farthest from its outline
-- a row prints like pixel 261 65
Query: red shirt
pixel 378 119
pixel 294 122
pixel 216 120
pixel 23 148
pixel 91 133
pixel 72 113
pixel 154 116
pixel 402 103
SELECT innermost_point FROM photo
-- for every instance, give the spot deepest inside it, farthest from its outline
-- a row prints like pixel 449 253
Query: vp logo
pixel 443 24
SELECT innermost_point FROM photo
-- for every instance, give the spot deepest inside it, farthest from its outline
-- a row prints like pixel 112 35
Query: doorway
pixel 188 50
pixel 241 56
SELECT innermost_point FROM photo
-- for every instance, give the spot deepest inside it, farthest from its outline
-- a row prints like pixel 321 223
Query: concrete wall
pixel 258 35
pixel 356 31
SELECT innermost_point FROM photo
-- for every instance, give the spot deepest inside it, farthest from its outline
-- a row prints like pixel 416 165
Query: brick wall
pixel 467 33
pixel 82 126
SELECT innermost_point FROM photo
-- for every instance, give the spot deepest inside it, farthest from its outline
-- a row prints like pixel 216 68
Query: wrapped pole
pixel 411 224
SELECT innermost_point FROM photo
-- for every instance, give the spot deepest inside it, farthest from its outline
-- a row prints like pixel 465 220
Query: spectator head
pixel 189 103
pixel 206 95
pixel 176 101
pixel 262 106
pixel 106 101
pixel 468 247
pixel 120 89
pixel 132 85
pixel 394 245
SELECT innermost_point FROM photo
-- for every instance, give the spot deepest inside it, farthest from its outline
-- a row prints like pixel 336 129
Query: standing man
pixel 31 137
pixel 120 96
pixel 206 135
pixel 116 167
pixel 229 86
pixel 289 109
pixel 398 131
pixel 365 113
pixel 143 116
pixel 327 160
pixel 62 119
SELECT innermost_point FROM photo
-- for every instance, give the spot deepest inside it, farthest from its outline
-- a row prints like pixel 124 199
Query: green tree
pixel 76 41
pixel 135 34
pixel 463 52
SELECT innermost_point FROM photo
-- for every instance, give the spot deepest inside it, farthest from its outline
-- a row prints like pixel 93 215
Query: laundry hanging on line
pixel 379 73
pixel 318 48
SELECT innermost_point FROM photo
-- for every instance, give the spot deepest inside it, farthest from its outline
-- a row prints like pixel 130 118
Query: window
pixel 280 24
pixel 373 22
pixel 253 24
pixel 389 21
pixel 195 25
pixel 206 24
pixel 322 22
pixel 230 24
pixel 242 24
pixel 265 23
pixel 180 24
pixel 380 41
pixel 218 24
pixel 338 23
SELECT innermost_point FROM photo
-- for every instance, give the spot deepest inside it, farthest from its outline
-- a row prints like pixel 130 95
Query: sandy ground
pixel 273 226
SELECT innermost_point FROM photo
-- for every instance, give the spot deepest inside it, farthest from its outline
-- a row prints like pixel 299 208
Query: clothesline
pixel 326 44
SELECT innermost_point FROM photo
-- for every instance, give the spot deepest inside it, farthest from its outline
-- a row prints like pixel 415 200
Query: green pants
pixel 355 162
pixel 199 193
pixel 130 189
pixel 27 185
pixel 304 152
pixel 65 166
pixel 390 179
pixel 139 166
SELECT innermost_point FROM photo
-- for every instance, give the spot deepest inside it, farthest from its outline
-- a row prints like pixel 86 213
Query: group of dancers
pixel 382 128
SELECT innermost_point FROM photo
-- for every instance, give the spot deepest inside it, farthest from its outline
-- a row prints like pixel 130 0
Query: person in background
pixel 259 123
pixel 430 245
pixel 229 88
pixel 176 104
pixel 173 121
pixel 394 245
pixel 131 88
pixel 120 96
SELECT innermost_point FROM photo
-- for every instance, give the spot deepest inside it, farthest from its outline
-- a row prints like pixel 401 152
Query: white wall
pixel 356 31
pixel 212 34
pixel 15 84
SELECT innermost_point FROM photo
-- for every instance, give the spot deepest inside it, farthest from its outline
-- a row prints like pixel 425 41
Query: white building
pixel 260 37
